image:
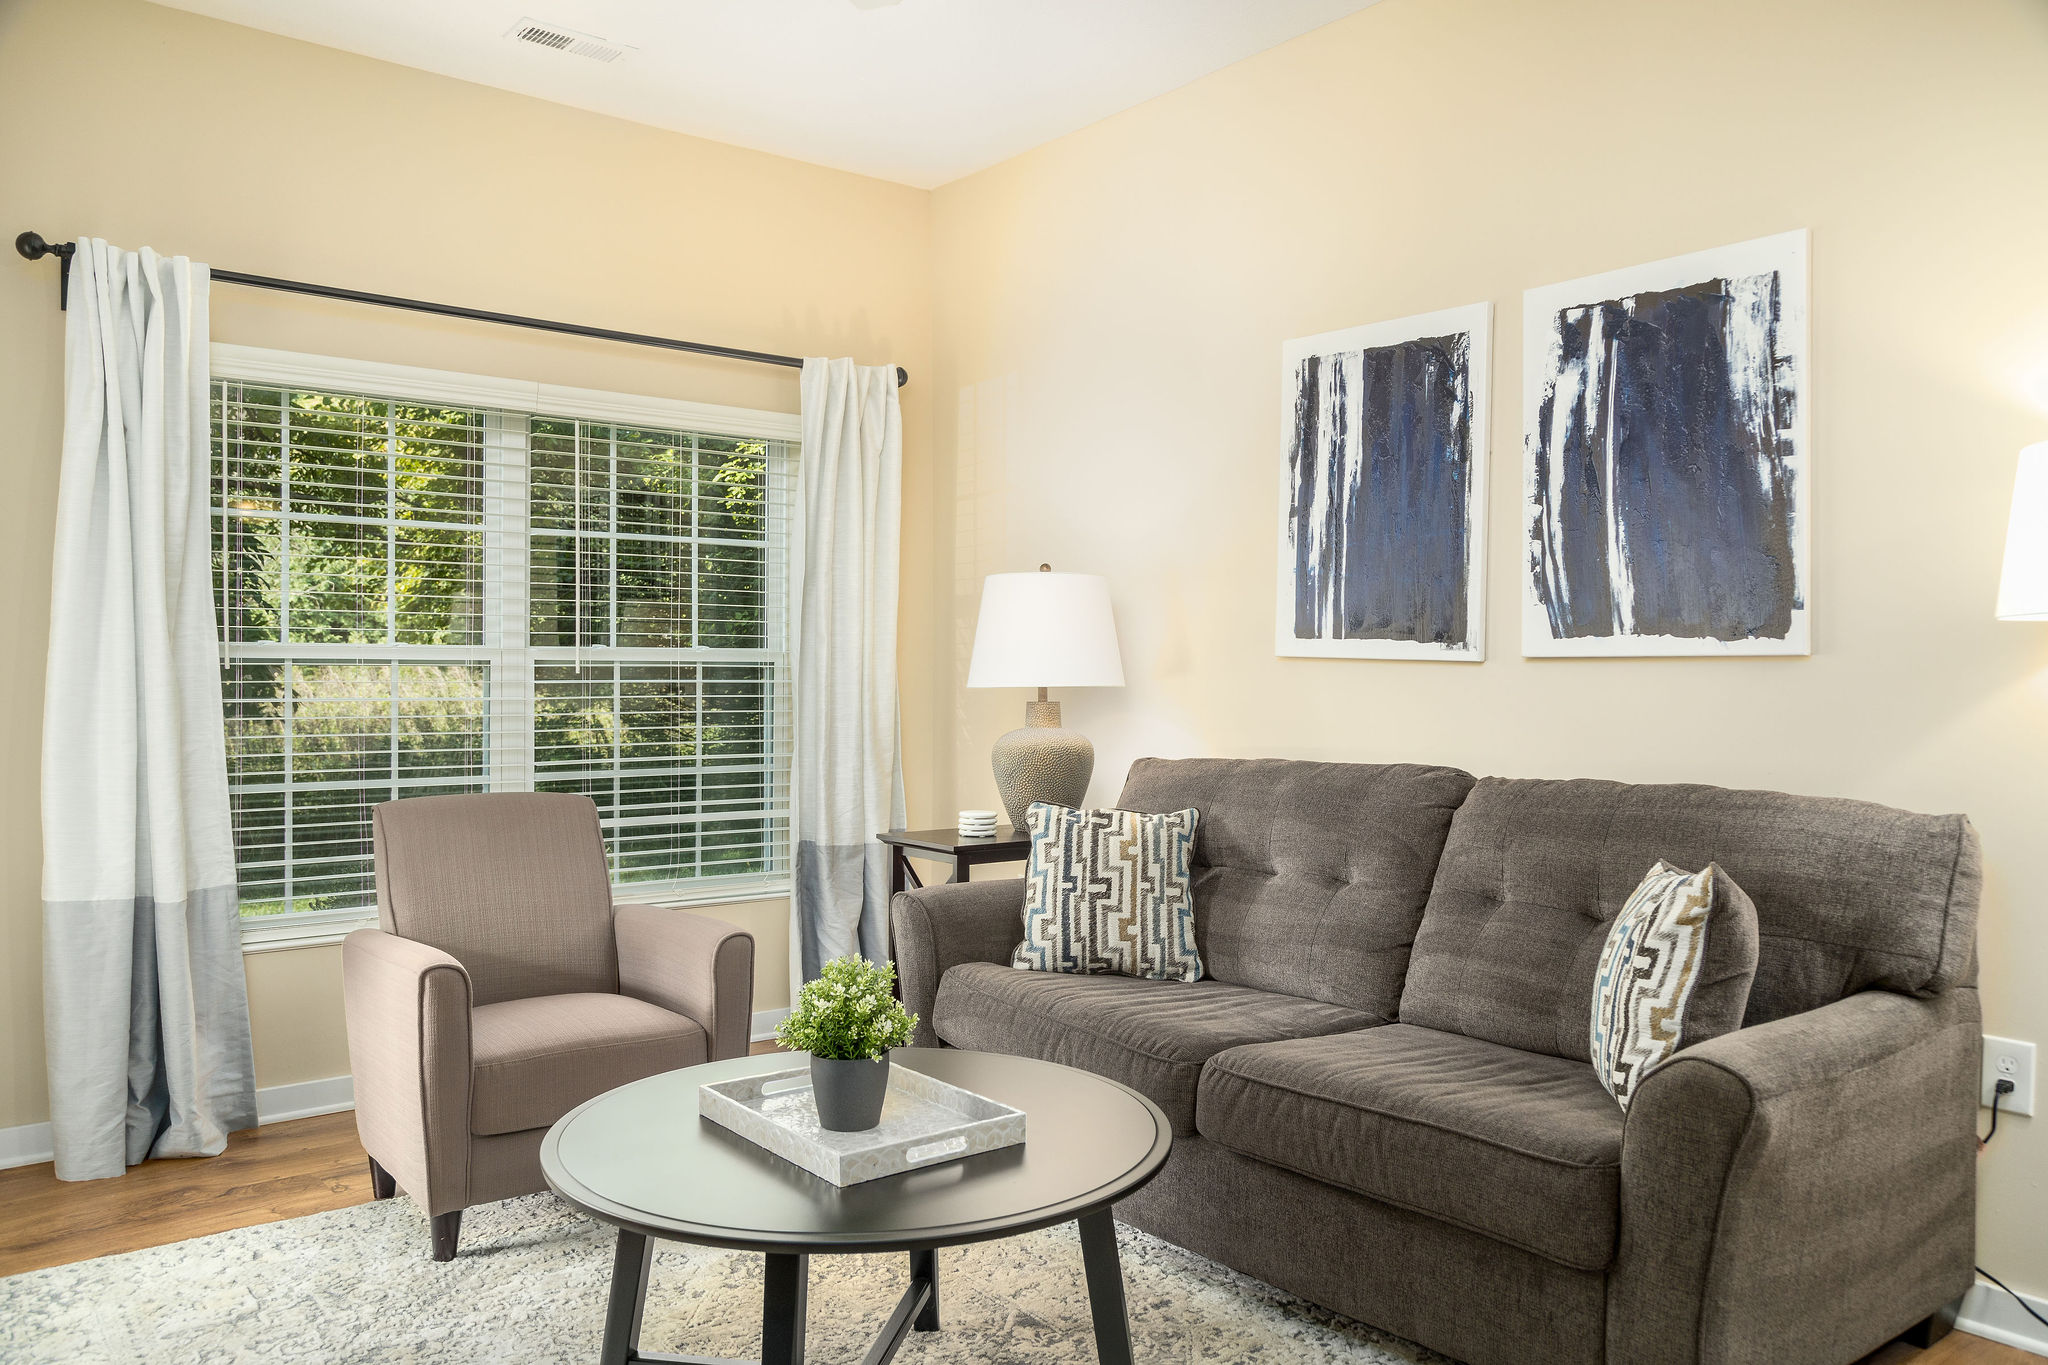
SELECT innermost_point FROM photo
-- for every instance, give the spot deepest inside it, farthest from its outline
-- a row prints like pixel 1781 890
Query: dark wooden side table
pixel 1006 845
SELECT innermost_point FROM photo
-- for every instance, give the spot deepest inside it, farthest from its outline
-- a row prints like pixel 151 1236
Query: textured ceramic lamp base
pixel 1042 762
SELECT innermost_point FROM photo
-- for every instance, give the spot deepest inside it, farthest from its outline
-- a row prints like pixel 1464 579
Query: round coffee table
pixel 641 1158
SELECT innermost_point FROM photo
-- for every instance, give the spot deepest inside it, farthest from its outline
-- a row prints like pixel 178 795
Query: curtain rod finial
pixel 31 246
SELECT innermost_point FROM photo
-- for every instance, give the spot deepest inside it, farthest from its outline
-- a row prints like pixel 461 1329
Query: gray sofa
pixel 1382 1094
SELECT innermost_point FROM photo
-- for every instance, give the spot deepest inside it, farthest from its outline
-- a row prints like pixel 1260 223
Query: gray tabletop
pixel 642 1158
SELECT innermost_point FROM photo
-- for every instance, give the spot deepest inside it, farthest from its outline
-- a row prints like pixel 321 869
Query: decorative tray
pixel 925 1122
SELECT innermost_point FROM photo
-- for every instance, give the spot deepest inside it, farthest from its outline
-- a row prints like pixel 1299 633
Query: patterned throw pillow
pixel 1675 971
pixel 1109 891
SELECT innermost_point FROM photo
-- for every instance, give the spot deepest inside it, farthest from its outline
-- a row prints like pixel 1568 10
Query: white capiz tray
pixel 925 1122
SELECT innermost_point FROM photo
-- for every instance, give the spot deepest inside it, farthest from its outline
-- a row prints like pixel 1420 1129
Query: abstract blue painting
pixel 1665 446
pixel 1383 493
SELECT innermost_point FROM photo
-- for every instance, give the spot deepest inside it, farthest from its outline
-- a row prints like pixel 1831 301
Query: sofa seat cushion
pixel 535 1059
pixel 1522 1147
pixel 1151 1035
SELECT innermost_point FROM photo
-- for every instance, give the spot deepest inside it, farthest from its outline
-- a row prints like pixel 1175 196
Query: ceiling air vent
pixel 559 39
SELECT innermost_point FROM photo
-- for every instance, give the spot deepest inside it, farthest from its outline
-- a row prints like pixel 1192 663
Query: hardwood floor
pixel 281 1170
pixel 277 1171
pixel 307 1165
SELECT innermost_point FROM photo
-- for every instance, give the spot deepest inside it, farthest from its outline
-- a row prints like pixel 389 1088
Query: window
pixel 423 596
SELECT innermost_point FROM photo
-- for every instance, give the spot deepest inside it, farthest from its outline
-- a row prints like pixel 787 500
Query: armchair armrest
pixel 1802 1190
pixel 936 928
pixel 693 965
pixel 407 1006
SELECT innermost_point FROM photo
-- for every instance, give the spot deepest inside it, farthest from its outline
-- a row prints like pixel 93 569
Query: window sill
pixel 273 933
pixel 719 892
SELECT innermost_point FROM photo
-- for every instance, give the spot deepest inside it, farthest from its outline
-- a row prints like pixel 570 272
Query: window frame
pixel 290 369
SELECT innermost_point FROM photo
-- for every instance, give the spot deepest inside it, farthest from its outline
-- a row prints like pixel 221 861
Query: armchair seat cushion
pixel 1151 1035
pixel 1521 1147
pixel 535 1059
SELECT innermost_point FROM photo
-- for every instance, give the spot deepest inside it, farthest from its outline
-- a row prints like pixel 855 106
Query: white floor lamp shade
pixel 2023 587
pixel 1044 630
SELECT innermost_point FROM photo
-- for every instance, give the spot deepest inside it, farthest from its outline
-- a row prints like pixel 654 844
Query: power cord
pixel 1998 1092
pixel 2024 1306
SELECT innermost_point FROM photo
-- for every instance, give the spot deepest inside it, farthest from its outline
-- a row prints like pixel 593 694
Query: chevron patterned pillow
pixel 1681 937
pixel 1109 891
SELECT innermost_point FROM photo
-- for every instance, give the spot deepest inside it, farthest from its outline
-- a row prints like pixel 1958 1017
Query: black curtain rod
pixel 32 246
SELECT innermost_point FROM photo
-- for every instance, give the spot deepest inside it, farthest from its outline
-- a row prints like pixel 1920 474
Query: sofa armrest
pixel 1802 1190
pixel 407 1006
pixel 936 928
pixel 692 965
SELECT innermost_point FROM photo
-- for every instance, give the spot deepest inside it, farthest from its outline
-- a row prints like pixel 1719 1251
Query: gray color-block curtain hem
pixel 843 875
pixel 146 1015
pixel 849 755
pixel 162 997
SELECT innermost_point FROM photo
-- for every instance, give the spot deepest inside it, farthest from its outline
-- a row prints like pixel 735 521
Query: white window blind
pixel 421 598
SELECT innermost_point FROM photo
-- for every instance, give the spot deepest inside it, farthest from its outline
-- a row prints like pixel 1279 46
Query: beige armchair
pixel 503 989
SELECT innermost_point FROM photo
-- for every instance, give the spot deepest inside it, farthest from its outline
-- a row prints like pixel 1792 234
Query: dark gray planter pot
pixel 849 1093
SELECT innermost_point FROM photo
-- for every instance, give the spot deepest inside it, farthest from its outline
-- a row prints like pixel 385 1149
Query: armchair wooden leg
pixel 382 1186
pixel 447 1228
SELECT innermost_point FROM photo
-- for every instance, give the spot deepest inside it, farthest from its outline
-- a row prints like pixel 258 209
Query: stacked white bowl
pixel 977 824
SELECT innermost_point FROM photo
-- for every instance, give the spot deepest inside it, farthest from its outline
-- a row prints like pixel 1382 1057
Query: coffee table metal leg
pixel 909 1309
pixel 629 1298
pixel 924 1265
pixel 1106 1288
pixel 783 1303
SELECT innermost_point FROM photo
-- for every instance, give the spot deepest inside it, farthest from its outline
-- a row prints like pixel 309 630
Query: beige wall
pixel 148 126
pixel 1110 313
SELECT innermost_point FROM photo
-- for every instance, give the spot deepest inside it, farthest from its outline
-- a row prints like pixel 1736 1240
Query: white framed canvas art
pixel 1383 490
pixel 1666 458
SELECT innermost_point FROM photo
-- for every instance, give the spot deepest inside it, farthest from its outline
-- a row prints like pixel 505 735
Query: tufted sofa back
pixel 1309 878
pixel 1849 896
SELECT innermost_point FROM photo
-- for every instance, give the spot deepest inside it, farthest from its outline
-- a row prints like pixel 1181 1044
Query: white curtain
pixel 849 760
pixel 145 1009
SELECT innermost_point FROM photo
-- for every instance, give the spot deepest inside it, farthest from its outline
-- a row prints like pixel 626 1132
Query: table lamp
pixel 2023 587
pixel 1044 630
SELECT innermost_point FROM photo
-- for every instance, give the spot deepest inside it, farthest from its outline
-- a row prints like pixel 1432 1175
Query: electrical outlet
pixel 2009 1059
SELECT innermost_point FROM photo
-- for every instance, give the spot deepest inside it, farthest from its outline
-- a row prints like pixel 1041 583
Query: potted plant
pixel 848 1019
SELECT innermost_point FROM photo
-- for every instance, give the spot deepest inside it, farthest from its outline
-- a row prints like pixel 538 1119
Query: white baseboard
pixel 1989 1311
pixel 766 1022
pixel 26 1145
pixel 31 1143
pixel 276 1103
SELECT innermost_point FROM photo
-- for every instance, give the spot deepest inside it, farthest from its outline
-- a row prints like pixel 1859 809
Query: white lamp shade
pixel 1045 630
pixel 2023 588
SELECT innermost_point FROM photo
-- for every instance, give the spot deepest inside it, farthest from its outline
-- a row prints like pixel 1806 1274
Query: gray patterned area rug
pixel 356 1285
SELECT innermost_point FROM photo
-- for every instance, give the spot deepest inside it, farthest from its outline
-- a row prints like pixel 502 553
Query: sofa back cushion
pixel 1849 896
pixel 1309 878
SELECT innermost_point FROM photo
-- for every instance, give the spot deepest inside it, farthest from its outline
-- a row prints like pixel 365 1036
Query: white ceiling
pixel 916 91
